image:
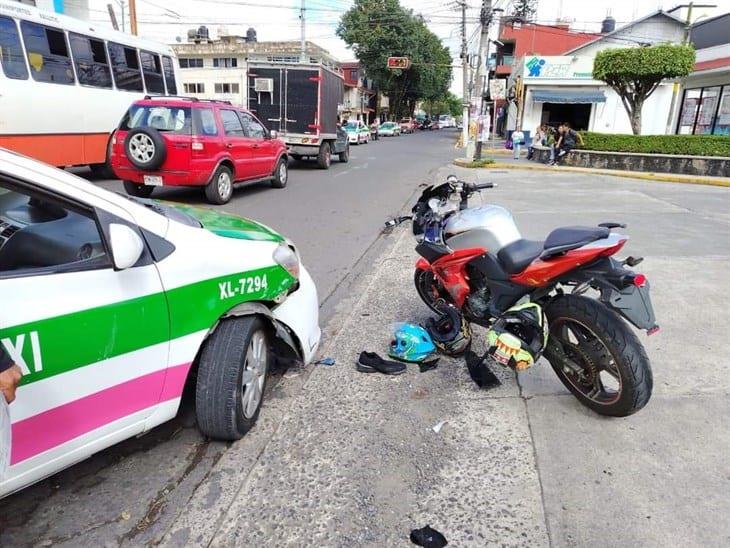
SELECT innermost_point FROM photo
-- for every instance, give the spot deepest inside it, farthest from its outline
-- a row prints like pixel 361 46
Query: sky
pixel 165 20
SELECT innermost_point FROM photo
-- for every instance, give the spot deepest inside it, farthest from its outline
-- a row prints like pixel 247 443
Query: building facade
pixel 705 94
pixel 554 89
pixel 360 94
pixel 217 68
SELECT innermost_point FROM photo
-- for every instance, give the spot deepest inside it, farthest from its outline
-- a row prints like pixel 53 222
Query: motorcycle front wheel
pixel 429 289
pixel 597 356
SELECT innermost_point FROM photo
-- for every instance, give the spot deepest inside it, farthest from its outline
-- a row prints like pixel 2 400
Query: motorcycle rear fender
pixel 619 293
pixel 423 264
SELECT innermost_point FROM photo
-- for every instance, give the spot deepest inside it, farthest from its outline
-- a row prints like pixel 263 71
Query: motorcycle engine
pixel 478 302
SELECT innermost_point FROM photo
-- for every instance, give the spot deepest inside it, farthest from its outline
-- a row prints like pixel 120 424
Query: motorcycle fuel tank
pixel 488 226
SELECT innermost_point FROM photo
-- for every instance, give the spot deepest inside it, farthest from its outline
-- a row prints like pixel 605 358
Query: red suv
pixel 174 141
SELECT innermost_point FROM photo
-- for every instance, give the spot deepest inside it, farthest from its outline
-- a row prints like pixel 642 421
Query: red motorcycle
pixel 476 259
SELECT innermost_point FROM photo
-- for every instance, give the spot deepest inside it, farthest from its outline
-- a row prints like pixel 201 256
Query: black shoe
pixel 370 362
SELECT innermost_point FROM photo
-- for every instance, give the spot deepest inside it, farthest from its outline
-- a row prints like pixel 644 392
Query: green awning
pixel 567 96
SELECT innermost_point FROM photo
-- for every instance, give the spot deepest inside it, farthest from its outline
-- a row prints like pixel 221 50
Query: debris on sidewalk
pixel 479 372
pixel 325 361
pixel 370 362
pixel 437 428
pixel 428 538
pixel 427 366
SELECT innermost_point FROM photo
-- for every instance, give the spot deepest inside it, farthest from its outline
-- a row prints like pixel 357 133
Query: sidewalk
pixel 504 160
pixel 342 458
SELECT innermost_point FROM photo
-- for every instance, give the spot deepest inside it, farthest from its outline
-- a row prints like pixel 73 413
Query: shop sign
pixel 559 67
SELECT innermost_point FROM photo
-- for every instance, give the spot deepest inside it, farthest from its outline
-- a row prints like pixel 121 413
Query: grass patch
pixel 484 162
pixel 685 145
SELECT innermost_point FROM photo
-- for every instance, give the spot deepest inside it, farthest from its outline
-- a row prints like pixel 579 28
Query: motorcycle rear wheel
pixel 429 289
pixel 616 377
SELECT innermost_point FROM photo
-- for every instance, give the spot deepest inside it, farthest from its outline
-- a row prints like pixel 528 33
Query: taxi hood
pixel 227 225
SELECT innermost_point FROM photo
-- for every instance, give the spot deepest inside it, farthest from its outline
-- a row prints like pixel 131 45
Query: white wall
pixel 209 76
pixel 656 30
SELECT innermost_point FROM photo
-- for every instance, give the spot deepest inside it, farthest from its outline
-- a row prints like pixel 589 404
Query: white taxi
pixel 112 305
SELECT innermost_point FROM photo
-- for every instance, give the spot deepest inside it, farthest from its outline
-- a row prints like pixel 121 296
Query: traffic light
pixel 402 63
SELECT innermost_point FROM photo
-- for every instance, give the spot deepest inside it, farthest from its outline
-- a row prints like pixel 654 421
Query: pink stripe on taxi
pixel 51 428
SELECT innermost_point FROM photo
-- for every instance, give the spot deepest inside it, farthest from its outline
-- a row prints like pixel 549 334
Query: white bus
pixel 65 84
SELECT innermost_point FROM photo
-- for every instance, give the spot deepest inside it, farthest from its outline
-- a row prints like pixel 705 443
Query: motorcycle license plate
pixel 153 180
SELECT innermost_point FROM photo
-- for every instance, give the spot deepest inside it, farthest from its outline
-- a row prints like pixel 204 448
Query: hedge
pixel 686 145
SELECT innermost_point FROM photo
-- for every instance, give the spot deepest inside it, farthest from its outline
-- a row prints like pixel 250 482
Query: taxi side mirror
pixel 127 246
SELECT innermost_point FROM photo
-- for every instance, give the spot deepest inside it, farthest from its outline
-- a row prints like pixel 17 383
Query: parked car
pixel 115 304
pixel 357 132
pixel 408 125
pixel 390 129
pixel 340 147
pixel 171 141
pixel 446 121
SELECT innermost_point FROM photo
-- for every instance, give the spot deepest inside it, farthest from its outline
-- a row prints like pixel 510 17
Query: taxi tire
pixel 139 191
pixel 218 404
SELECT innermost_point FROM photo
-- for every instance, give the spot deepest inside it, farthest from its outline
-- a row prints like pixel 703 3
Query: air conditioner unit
pixel 263 85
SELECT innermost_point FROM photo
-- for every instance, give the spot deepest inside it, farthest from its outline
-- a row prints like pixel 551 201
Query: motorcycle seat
pixel 566 238
pixel 516 256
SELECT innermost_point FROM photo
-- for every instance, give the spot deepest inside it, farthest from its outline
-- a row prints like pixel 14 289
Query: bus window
pixel 11 52
pixel 152 71
pixel 89 56
pixel 47 53
pixel 125 67
pixel 169 75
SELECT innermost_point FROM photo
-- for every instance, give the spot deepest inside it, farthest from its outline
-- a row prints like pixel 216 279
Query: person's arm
pixel 10 376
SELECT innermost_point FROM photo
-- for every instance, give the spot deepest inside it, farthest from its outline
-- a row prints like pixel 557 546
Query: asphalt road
pixel 335 216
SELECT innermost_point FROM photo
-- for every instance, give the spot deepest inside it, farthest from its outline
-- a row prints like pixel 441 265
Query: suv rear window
pixel 174 120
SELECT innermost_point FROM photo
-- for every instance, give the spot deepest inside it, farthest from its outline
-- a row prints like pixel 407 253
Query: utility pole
pixel 133 16
pixel 302 16
pixel 465 79
pixel 485 18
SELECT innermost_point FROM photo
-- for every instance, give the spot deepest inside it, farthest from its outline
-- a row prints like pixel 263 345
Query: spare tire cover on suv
pixel 145 147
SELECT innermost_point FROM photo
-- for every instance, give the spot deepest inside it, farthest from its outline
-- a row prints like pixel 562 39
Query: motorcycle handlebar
pixel 472 187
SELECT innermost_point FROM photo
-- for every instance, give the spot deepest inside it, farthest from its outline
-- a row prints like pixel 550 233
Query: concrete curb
pixel 656 177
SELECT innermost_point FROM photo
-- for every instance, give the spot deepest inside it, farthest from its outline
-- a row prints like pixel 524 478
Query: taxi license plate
pixel 153 180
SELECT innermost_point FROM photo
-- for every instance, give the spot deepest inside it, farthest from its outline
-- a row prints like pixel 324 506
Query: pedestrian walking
pixel 518 139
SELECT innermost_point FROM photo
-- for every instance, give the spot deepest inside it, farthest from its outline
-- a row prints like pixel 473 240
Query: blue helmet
pixel 411 343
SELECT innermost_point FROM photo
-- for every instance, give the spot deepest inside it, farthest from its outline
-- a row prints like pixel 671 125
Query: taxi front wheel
pixel 231 380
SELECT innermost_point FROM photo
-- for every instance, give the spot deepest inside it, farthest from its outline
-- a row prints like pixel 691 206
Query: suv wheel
pixel 220 188
pixel 345 154
pixel 281 174
pixel 232 378
pixel 145 148
pixel 140 191
pixel 324 158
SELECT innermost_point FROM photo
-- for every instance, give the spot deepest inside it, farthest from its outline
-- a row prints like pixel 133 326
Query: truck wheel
pixel 345 154
pixel 324 158
pixel 281 174
pixel 220 188
pixel 232 378
pixel 140 191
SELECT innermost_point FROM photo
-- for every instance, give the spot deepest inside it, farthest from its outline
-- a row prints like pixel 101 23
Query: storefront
pixel 705 111
pixel 555 89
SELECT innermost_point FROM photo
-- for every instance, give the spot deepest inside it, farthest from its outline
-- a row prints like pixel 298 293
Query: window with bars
pixel 227 88
pixel 225 62
pixel 194 88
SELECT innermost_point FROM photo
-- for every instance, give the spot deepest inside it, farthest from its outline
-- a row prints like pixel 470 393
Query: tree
pixel 634 73
pixel 447 104
pixel 524 9
pixel 378 29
